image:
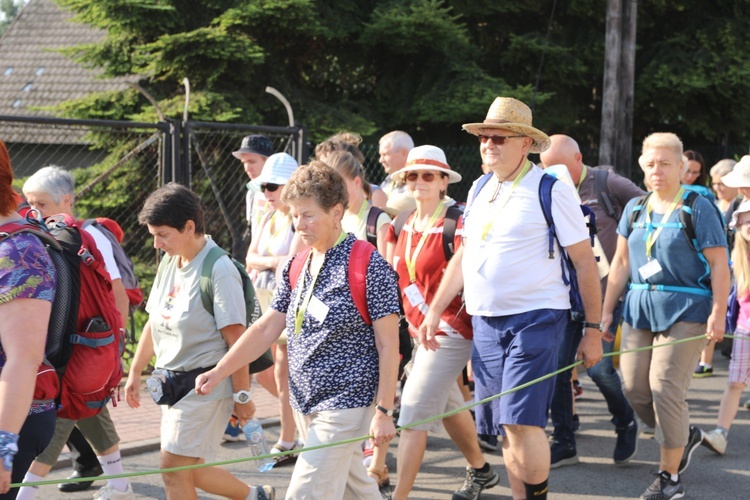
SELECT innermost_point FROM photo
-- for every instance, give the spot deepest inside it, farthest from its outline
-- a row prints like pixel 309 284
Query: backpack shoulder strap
pixel 638 209
pixel 449 230
pixel 481 182
pixel 601 176
pixel 11 228
pixel 359 260
pixel 295 269
pixel 372 225
pixel 686 217
pixel 545 199
pixel 400 221
pixel 206 282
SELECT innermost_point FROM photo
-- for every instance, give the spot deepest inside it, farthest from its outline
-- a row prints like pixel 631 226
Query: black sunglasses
pixel 269 187
pixel 497 140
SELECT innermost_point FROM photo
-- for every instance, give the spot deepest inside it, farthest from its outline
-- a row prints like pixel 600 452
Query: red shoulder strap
pixel 296 268
pixel 358 262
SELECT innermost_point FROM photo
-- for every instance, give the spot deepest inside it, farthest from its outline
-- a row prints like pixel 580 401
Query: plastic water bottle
pixel 258 446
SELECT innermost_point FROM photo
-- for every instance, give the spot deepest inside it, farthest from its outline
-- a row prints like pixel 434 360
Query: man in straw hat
pixel 515 291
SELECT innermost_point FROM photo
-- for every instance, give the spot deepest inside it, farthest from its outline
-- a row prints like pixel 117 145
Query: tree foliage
pixel 425 66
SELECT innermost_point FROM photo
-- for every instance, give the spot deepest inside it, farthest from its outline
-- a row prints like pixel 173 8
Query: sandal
pixel 283 459
pixel 380 476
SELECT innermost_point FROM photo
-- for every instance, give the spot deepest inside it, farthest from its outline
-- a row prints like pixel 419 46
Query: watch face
pixel 243 397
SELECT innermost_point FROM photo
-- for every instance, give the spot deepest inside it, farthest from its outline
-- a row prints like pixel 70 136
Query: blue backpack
pixel 569 276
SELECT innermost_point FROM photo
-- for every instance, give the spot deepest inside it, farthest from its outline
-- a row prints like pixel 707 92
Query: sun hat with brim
pixel 278 169
pixel 511 114
pixel 258 144
pixel 744 207
pixel 428 158
pixel 739 177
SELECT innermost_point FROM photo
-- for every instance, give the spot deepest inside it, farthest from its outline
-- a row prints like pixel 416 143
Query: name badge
pixel 317 309
pixel 651 268
pixel 413 295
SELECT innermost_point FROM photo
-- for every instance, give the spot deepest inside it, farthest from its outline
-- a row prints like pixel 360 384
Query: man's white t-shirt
pixel 510 272
pixel 105 248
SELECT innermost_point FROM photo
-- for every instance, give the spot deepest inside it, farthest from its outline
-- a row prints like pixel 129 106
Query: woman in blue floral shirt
pixel 339 365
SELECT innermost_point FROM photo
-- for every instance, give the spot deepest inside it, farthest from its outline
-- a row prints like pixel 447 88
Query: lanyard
pixel 651 236
pixel 303 302
pixel 503 200
pixel 584 171
pixel 411 260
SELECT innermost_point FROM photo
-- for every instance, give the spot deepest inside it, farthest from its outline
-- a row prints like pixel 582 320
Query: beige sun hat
pixel 744 207
pixel 739 177
pixel 428 158
pixel 510 114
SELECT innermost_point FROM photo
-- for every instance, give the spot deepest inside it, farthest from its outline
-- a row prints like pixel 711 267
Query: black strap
pixel 601 175
pixel 372 225
pixel 449 230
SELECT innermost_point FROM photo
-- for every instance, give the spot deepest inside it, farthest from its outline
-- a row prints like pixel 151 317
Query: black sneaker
pixel 663 488
pixel 562 454
pixel 703 371
pixel 488 442
pixel 694 441
pixel 627 443
pixel 475 483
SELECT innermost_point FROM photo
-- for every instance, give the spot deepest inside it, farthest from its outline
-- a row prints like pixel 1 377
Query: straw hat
pixel 744 207
pixel 278 169
pixel 739 177
pixel 428 158
pixel 510 114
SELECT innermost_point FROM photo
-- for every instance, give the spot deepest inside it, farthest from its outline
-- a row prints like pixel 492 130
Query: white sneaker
pixel 715 441
pixel 265 492
pixel 107 492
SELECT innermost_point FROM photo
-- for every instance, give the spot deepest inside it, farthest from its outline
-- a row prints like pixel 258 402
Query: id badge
pixel 317 309
pixel 651 268
pixel 413 295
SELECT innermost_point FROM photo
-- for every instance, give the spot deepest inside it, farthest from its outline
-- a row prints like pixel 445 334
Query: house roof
pixel 32 75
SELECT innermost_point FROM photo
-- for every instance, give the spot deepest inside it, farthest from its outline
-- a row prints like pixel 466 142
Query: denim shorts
pixel 510 351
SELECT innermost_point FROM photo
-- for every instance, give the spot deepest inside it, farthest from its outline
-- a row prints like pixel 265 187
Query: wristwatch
pixel 242 397
pixel 387 412
pixel 597 326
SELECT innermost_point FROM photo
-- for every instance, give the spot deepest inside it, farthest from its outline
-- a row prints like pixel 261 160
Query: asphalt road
pixel 709 475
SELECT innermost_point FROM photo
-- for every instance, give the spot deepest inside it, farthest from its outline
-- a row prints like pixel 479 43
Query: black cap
pixel 258 144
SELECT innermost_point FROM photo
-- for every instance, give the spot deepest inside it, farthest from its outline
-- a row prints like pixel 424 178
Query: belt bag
pixel 167 387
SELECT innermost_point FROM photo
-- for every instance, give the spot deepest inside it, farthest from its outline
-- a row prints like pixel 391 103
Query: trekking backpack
pixel 449 228
pixel 569 275
pixel 85 336
pixel 601 176
pixel 252 306
pixel 372 225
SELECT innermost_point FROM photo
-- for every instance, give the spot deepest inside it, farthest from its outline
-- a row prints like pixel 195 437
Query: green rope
pixel 356 439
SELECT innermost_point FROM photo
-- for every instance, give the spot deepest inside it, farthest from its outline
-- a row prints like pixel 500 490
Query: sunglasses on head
pixel 269 187
pixel 497 140
pixel 426 176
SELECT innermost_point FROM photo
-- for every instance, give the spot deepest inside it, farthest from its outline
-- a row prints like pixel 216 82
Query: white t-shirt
pixel 185 335
pixel 511 272
pixel 351 223
pixel 105 248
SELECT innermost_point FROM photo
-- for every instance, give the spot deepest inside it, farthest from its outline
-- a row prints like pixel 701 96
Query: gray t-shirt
pixel 185 335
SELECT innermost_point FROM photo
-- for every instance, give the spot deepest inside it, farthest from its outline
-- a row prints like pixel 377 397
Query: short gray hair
pixel 398 139
pixel 723 167
pixel 52 180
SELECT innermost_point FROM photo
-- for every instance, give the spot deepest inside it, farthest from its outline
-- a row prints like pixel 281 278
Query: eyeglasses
pixel 426 176
pixel 269 187
pixel 497 140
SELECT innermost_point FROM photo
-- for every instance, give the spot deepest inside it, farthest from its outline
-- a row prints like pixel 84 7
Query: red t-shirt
pixel 429 270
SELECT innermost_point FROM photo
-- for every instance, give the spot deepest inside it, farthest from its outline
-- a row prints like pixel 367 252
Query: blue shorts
pixel 510 351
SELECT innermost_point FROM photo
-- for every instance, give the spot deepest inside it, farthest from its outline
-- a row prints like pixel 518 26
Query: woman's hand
pixel 607 318
pixel 382 429
pixel 428 330
pixel 715 327
pixel 4 479
pixel 133 390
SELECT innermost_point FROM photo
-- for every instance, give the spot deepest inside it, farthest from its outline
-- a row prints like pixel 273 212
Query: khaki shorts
pixel 194 426
pixel 98 430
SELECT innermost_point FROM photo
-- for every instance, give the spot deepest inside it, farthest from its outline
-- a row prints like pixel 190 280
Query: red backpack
pixel 85 337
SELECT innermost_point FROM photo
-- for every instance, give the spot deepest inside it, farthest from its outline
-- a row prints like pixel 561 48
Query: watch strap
pixel 387 412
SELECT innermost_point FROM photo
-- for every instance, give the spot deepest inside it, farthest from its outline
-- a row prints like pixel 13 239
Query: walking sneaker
pixel 562 454
pixel 283 460
pixel 694 440
pixel 233 432
pixel 487 442
pixel 475 483
pixel 265 492
pixel 747 404
pixel 107 492
pixel 663 488
pixel 702 371
pixel 577 390
pixel 715 441
pixel 627 442
pixel 576 422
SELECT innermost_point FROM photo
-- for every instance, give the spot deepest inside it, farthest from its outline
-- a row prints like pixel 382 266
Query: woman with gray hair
pixel 342 365
pixel 727 197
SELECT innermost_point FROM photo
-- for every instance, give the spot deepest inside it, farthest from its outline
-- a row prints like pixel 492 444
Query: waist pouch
pixel 167 387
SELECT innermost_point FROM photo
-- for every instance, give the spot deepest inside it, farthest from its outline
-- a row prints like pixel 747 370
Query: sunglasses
pixel 269 187
pixel 426 176
pixel 497 140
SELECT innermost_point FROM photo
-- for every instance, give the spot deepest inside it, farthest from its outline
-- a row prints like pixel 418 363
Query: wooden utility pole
pixel 616 136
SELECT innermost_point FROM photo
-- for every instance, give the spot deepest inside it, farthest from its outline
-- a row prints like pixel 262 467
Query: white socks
pixel 112 464
pixel 29 492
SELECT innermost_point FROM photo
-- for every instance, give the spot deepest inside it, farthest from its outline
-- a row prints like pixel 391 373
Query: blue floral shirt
pixel 333 361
